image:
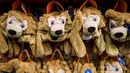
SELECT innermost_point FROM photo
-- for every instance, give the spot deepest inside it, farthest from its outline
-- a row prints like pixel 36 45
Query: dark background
pixel 39 5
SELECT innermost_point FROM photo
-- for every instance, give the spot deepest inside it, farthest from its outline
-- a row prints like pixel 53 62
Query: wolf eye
pixel 94 19
pixel 63 21
pixel 22 25
pixel 52 22
pixel 112 25
pixel 10 22
pixel 116 69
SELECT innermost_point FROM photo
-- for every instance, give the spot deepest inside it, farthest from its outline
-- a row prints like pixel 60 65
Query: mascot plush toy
pixel 110 65
pixel 84 67
pixel 118 32
pixel 87 26
pixel 56 65
pixel 16 27
pixel 19 66
pixel 118 36
pixel 54 29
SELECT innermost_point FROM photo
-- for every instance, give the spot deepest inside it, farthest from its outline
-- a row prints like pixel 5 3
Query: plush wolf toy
pixel 19 66
pixel 87 25
pixel 119 35
pixel 118 32
pixel 118 27
pixel 54 29
pixel 16 27
pixel 110 66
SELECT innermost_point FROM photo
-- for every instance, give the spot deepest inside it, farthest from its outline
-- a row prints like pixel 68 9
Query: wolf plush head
pixel 92 22
pixel 118 30
pixel 118 24
pixel 16 24
pixel 53 27
pixel 87 25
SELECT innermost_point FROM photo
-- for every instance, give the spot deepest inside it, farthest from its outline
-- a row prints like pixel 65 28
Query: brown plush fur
pixel 121 19
pixel 109 66
pixel 29 67
pixel 27 36
pixel 18 66
pixel 44 38
pixel 77 67
pixel 10 66
pixel 121 45
pixel 76 34
pixel 82 67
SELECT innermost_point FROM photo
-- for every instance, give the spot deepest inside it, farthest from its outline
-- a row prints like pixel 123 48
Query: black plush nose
pixel 118 35
pixel 12 32
pixel 58 32
pixel 91 29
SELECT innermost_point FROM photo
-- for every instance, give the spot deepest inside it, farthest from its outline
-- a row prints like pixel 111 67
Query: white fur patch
pixel 61 71
pixel 75 71
pixel 10 18
pixel 115 29
pixel 87 37
pixel 25 24
pixel 90 21
pixel 56 27
pixel 120 29
pixel 50 71
pixel 51 21
pixel 16 26
pixel 56 24
pixel 115 67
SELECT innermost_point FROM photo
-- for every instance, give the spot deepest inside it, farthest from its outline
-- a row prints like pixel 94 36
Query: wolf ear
pixel 111 49
pixel 100 43
pixel 78 45
pixel 102 22
pixel 75 38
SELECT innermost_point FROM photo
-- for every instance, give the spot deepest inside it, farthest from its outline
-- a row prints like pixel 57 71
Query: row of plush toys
pixel 89 34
